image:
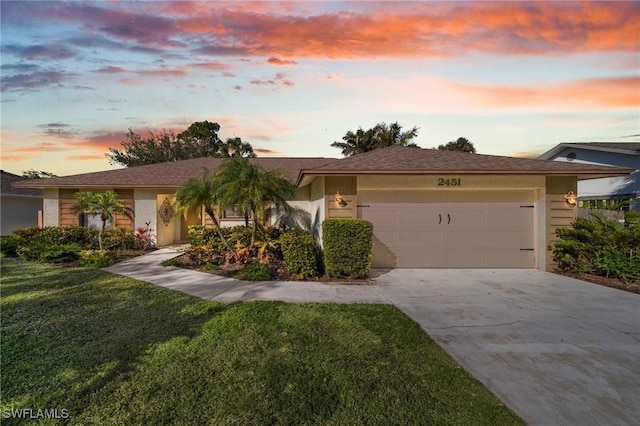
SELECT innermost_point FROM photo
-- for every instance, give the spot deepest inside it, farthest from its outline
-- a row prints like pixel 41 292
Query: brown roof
pixel 8 179
pixel 168 175
pixel 409 160
pixel 392 160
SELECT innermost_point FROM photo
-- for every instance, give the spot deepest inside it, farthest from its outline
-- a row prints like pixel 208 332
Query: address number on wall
pixel 449 182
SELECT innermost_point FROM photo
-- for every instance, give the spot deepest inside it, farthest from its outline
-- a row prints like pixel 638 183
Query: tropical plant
pixel 201 192
pixel 381 135
pixel 599 246
pixel 460 144
pixel 247 185
pixel 106 204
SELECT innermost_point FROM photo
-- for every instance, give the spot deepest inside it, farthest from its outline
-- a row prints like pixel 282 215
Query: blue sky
pixel 290 78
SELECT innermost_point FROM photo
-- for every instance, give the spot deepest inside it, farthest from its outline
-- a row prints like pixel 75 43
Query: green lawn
pixel 111 350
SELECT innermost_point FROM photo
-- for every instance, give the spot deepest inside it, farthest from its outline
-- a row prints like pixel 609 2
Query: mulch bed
pixel 230 270
pixel 632 287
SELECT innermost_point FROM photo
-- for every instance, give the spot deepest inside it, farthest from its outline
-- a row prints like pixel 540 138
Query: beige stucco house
pixel 429 208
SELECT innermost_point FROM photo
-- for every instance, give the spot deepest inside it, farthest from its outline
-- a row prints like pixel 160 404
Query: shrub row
pixel 600 246
pixel 62 244
pixel 347 243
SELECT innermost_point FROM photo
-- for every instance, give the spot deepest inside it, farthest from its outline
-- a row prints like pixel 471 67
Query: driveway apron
pixel 556 350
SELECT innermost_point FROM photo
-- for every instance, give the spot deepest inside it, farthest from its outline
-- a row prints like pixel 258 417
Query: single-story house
pixel 608 191
pixel 429 208
pixel 19 207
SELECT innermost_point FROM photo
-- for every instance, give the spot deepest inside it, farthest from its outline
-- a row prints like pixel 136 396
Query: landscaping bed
pixel 632 287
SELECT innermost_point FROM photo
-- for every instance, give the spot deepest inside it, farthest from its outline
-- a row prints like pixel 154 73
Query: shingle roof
pixel 632 148
pixel 8 179
pixel 392 160
pixel 405 160
pixel 169 175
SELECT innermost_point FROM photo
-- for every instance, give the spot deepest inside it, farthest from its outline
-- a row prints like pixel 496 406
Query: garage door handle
pixel 440 219
pixel 449 217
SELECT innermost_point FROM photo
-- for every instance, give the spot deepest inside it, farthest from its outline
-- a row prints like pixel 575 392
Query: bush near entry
pixel 300 253
pixel 600 246
pixel 347 247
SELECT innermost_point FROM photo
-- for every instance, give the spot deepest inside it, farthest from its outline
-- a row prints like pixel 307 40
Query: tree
pixel 35 174
pixel 251 188
pixel 460 144
pixel 199 140
pixel 381 135
pixel 200 192
pixel 105 204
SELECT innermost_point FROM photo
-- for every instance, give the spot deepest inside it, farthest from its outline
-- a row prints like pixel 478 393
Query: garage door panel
pixel 457 235
pixel 511 259
pixel 464 239
pixel 466 258
pixel 389 238
pixel 412 258
pixel 500 239
pixel 420 238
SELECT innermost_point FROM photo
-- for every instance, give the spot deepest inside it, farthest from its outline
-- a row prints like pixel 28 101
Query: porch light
pixel 339 200
pixel 571 198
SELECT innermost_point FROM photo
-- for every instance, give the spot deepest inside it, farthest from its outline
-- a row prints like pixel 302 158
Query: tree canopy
pixel 381 135
pixel 461 144
pixel 199 140
pixel 37 174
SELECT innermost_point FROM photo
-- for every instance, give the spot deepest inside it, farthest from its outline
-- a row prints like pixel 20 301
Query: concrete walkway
pixel 214 287
pixel 556 350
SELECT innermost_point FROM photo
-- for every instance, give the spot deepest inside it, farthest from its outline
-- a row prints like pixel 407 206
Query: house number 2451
pixel 449 182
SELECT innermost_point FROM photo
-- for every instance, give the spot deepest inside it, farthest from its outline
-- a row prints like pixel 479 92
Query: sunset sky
pixel 515 78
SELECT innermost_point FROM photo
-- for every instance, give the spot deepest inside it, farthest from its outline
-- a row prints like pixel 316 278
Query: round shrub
pixel 9 245
pixel 95 259
pixel 61 253
pixel 254 271
pixel 300 253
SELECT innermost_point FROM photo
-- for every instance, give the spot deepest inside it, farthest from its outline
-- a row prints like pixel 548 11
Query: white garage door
pixel 456 235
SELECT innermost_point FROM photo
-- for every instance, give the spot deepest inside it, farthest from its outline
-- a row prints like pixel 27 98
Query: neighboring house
pixel 429 208
pixel 19 207
pixel 609 191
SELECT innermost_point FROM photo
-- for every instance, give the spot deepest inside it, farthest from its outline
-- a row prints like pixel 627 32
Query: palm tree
pixel 355 143
pixel 250 187
pixel 460 144
pixel 381 135
pixel 105 204
pixel 200 192
pixel 392 135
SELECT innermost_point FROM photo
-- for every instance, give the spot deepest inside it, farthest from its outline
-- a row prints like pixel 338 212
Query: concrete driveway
pixel 556 350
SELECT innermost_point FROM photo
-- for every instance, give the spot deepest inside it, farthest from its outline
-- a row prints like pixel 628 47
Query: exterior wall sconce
pixel 339 200
pixel 571 198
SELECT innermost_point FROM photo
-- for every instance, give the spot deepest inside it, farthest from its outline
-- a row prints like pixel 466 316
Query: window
pixel 234 212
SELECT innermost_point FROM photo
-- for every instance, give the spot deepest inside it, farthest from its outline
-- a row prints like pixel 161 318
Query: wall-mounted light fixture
pixel 339 200
pixel 571 198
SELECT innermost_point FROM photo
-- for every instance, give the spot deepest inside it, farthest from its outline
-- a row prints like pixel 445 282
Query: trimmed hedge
pixel 300 253
pixel 347 247
pixel 44 243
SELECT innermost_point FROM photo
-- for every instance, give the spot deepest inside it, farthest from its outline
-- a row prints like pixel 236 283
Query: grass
pixel 112 350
